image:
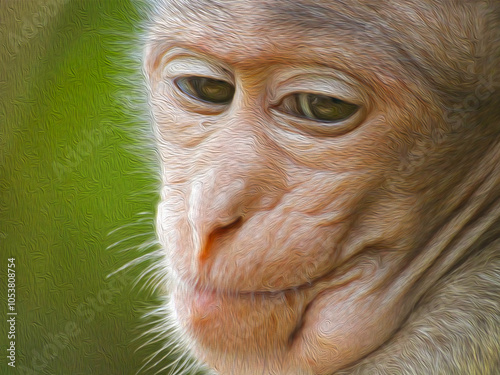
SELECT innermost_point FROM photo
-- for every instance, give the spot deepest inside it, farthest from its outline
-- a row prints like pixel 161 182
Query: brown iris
pixel 206 89
pixel 318 107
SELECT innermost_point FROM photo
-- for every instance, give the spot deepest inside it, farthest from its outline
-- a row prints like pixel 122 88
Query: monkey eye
pixel 317 107
pixel 205 89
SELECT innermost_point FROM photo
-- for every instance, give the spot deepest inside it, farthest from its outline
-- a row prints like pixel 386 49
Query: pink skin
pixel 292 251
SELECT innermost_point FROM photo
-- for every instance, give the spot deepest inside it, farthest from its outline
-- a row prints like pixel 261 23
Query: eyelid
pixel 317 86
pixel 321 128
pixel 319 81
pixel 178 62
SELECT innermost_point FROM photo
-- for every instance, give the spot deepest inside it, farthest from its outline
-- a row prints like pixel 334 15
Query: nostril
pixel 234 225
pixel 219 234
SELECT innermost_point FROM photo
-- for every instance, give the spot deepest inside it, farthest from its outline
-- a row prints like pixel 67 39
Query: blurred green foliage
pixel 75 165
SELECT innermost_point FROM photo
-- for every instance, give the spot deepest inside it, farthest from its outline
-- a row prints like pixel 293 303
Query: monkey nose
pixel 218 235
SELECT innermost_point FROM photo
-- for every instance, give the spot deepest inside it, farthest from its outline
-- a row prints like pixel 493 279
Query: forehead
pixel 262 32
pixel 259 24
pixel 390 39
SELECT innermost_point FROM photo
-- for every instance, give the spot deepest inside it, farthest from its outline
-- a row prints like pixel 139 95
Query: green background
pixel 75 164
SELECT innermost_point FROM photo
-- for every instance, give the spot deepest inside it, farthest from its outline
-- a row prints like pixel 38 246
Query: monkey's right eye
pixel 318 107
pixel 205 89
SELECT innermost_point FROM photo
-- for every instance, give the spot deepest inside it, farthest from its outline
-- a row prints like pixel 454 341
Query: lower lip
pixel 204 301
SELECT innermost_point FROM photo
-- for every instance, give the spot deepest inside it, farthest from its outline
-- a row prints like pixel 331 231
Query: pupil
pixel 329 109
pixel 212 90
pixel 325 107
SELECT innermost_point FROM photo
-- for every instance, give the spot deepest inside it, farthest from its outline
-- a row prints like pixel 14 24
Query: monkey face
pixel 298 163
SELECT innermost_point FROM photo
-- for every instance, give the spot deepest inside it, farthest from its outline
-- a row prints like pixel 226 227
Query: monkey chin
pixel 285 333
pixel 251 331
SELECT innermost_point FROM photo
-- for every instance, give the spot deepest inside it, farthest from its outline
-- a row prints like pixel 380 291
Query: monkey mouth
pixel 330 279
pixel 208 313
pixel 218 293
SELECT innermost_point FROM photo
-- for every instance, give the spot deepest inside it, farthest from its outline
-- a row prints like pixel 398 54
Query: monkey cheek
pixel 340 327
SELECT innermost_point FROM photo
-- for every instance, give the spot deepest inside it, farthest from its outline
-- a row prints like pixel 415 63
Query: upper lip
pixel 201 287
pixel 326 278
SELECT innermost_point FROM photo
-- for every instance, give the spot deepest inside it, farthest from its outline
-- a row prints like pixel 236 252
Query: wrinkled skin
pixel 296 246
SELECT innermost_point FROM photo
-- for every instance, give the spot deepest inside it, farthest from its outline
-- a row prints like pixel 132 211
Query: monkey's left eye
pixel 317 107
pixel 205 89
